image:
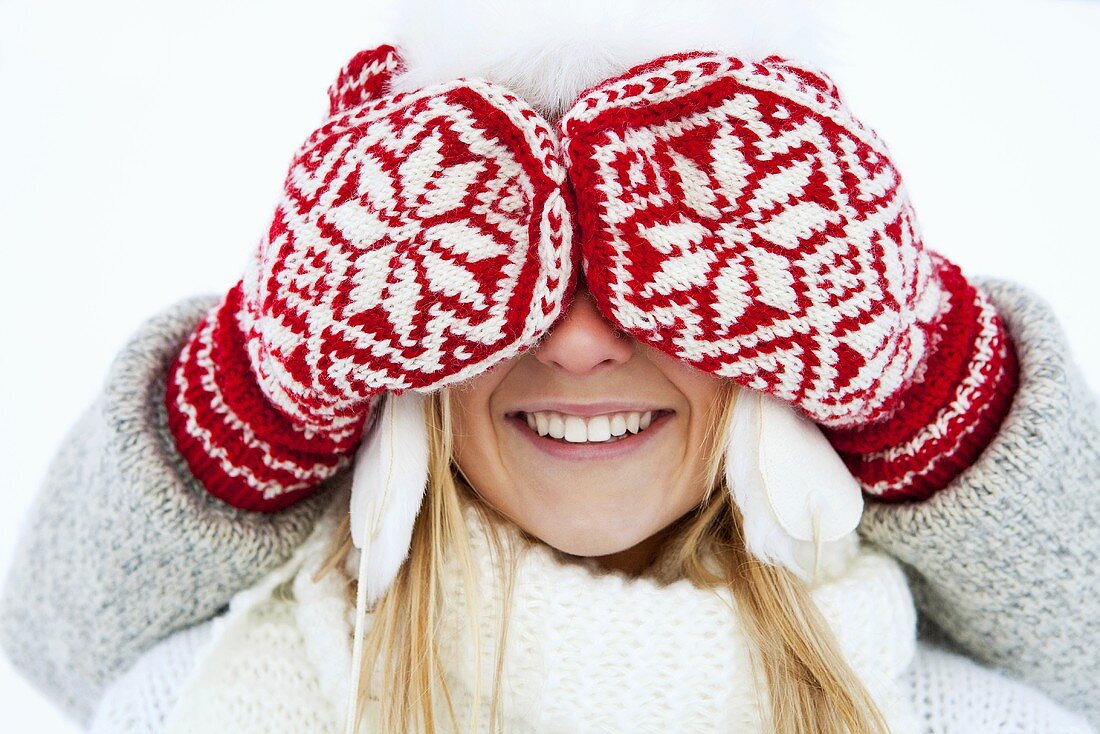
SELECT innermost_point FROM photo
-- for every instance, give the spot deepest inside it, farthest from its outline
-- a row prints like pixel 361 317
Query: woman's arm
pixel 123 546
pixel 1005 561
pixel 952 693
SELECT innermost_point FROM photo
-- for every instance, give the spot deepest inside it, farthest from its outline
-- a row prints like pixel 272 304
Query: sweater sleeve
pixel 141 700
pixel 123 546
pixel 952 693
pixel 1004 562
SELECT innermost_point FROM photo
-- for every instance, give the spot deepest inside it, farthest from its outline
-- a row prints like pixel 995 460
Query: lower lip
pixel 590 451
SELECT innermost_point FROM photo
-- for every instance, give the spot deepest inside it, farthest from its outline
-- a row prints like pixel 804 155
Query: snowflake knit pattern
pixel 733 214
pixel 739 217
pixel 421 238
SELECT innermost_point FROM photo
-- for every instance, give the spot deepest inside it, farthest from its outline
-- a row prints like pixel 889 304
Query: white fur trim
pixel 799 504
pixel 549 51
pixel 388 484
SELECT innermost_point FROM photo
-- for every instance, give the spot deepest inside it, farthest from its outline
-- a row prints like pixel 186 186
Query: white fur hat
pixel 549 51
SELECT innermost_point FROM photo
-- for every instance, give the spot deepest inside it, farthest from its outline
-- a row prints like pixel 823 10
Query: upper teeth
pixel 575 429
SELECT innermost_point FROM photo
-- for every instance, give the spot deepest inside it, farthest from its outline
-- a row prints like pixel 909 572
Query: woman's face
pixel 584 493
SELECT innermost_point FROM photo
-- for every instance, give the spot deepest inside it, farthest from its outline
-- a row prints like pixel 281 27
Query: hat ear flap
pixel 387 489
pixel 367 76
pixel 794 491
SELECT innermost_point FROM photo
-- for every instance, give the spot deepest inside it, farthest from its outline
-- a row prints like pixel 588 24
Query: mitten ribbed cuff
pixel 243 450
pixel 945 418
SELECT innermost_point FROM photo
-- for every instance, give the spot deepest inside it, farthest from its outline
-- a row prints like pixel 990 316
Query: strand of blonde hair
pixel 808 684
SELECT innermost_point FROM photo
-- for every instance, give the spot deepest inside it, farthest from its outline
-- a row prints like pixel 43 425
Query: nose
pixel 583 341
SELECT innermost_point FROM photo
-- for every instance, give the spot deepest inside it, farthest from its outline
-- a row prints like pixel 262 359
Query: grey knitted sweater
pixel 124 547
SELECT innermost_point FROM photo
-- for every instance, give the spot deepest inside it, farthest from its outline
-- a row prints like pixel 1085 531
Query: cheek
pixel 476 448
pixel 702 390
pixel 587 509
pixel 705 395
pixel 468 421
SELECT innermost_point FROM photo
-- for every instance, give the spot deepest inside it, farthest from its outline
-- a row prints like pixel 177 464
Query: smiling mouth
pixel 600 429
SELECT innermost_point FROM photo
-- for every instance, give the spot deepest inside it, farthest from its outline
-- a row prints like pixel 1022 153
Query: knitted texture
pixel 123 547
pixel 958 696
pixel 156 683
pixel 950 412
pixel 259 649
pixel 734 214
pixel 243 449
pixel 587 651
pixel 367 76
pixel 1015 539
pixel 421 238
pixel 737 216
pixel 741 191
pixel 120 523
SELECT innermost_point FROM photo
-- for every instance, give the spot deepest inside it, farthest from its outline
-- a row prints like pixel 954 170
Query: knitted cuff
pixel 950 412
pixel 245 451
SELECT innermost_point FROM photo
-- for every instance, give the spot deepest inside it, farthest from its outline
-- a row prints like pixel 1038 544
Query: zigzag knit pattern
pixel 363 78
pixel 733 214
pixel 949 413
pixel 243 450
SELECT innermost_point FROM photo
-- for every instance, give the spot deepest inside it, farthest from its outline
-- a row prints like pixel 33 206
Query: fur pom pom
pixel 549 51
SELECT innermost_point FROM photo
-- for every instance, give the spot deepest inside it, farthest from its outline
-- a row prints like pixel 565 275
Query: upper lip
pixel 587 410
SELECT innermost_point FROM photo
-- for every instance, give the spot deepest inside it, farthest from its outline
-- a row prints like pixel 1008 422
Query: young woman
pixel 603 353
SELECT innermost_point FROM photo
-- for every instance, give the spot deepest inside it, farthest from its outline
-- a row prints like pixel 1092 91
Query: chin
pixel 593 548
pixel 593 534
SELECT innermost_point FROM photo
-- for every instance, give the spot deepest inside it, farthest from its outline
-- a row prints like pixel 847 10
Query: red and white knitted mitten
pixel 738 217
pixel 420 239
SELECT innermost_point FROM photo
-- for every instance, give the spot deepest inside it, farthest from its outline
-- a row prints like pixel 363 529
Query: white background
pixel 142 147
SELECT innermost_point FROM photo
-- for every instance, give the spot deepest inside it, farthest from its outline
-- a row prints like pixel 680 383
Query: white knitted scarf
pixel 586 650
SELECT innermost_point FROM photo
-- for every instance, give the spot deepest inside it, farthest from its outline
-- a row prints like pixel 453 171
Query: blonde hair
pixel 810 685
